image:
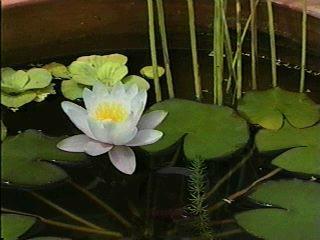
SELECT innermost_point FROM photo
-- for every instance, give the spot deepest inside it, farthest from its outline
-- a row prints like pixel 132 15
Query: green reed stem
pixel 230 173
pixel 218 44
pixel 245 30
pixel 153 51
pixel 109 210
pixel 193 41
pixel 304 46
pixel 239 50
pixel 254 45
pixel 165 52
pixel 65 212
pixel 240 193
pixel 272 43
pixel 109 234
pixel 228 47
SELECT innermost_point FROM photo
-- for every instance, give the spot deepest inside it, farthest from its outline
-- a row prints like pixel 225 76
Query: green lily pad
pixel 27 159
pixel 98 60
pixel 269 108
pixel 13 225
pixel 147 72
pixel 302 145
pixel 3 131
pixel 16 101
pixel 294 215
pixel 38 78
pixel 139 81
pixel 57 70
pixel 111 73
pixel 90 69
pixel 43 93
pixel 19 81
pixel 71 89
pixel 209 131
pixel 13 81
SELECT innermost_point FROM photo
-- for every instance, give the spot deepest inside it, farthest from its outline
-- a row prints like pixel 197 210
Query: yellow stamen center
pixel 110 112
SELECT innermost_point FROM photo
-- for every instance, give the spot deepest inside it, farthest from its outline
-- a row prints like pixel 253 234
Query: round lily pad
pixel 294 213
pixel 301 146
pixel 71 89
pixel 147 72
pixel 139 81
pixel 269 108
pixel 16 101
pixel 27 159
pixel 209 131
pixel 13 225
pixel 57 70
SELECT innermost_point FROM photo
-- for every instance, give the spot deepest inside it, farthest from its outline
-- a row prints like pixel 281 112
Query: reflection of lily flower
pixel 112 123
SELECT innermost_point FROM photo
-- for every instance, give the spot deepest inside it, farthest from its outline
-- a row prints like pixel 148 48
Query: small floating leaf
pixel 98 60
pixel 13 81
pixel 139 81
pixel 71 89
pixel 269 108
pixel 148 72
pixel 27 159
pixel 16 101
pixel 303 155
pixel 43 93
pixel 3 131
pixel 13 225
pixel 210 131
pixel 112 72
pixel 295 215
pixel 108 69
pixel 82 72
pixel 38 78
pixel 57 70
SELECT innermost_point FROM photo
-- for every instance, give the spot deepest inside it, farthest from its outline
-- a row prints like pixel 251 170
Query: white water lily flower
pixel 112 123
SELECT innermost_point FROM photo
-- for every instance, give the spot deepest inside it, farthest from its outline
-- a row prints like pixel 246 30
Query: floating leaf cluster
pixel 21 87
pixel 87 70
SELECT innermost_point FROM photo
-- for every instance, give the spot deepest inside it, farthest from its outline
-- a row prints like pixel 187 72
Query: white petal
pixel 132 91
pixel 89 98
pixel 101 131
pixel 138 104
pixel 95 148
pixel 100 90
pixel 118 90
pixel 123 159
pixel 122 134
pixel 145 137
pixel 78 115
pixel 152 119
pixel 74 144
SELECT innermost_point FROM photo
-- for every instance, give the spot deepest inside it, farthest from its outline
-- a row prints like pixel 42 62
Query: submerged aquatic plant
pixel 112 123
pixel 197 191
pixel 21 87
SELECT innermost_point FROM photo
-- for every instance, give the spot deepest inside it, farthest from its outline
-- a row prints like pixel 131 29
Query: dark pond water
pixel 151 200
